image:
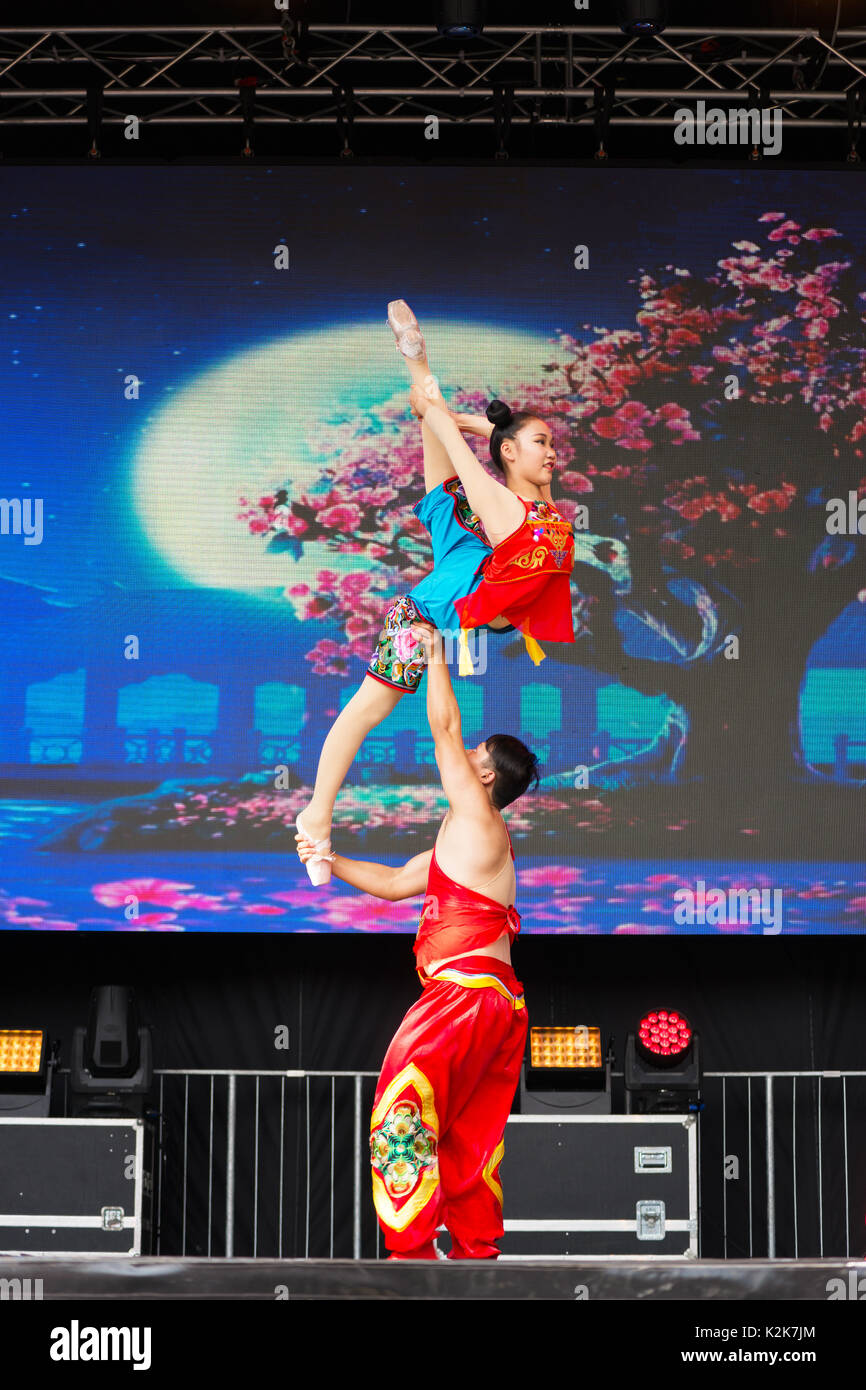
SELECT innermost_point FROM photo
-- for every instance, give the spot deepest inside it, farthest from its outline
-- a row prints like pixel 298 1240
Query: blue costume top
pixel 460 546
pixel 460 549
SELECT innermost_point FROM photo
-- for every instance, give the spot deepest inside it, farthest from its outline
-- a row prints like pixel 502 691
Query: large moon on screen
pixel 252 422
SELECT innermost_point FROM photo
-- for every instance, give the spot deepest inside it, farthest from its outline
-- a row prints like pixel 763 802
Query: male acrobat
pixel 450 1073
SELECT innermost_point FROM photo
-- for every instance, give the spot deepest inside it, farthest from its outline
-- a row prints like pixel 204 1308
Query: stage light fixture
pixel 663 1038
pixel 25 1073
pixel 112 1059
pixel 638 17
pixel 566 1070
pixel 663 1065
pixel 565 1047
pixel 460 19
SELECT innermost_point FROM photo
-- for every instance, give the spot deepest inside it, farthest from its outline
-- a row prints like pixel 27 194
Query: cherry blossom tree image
pixel 706 438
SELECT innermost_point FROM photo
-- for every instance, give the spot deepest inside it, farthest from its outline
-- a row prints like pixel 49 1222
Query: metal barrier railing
pixel 359 1153
pixel 785 1126
pixel 773 1198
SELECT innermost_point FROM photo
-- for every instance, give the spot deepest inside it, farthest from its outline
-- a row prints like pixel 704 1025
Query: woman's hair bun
pixel 499 414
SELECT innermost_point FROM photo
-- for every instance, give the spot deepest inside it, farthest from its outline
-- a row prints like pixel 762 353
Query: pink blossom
pixel 820 233
pixel 363 913
pixel 641 929
pixel 360 646
pixel 549 875
pixel 315 608
pixel 692 511
pixel 576 482
pixel 774 500
pixel 151 919
pixel 567 508
pixel 683 337
pixel 356 583
pixel 150 890
pixel 816 329
pixel 374 496
pixel 625 374
pixel 783 229
pixel 634 411
pixel 341 518
pixel 609 427
pixel 203 902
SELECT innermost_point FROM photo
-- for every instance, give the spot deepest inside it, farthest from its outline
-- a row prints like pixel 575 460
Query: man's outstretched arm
pixel 380 880
pixel 466 795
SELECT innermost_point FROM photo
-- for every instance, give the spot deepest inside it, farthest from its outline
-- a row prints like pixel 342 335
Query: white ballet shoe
pixel 318 866
pixel 404 326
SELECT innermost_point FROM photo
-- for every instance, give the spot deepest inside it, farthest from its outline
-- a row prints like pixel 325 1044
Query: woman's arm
pixel 474 424
pixel 501 511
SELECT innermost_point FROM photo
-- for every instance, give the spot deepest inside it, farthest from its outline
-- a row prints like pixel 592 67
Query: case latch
pixel 112 1218
pixel 650 1220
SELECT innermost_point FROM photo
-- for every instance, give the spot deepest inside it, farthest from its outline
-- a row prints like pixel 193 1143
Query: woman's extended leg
pixel 437 464
pixel 372 702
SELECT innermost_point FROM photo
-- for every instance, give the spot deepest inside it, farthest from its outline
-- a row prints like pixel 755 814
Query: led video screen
pixel 209 470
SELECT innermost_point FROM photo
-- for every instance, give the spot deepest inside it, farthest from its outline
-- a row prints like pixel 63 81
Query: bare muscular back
pixel 480 859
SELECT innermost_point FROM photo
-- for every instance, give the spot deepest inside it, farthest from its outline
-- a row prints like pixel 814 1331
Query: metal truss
pixel 399 75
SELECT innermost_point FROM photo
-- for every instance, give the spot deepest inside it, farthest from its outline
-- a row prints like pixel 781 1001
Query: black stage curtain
pixel 218 1001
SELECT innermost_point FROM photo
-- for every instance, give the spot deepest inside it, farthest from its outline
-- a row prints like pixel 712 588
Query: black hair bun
pixel 500 414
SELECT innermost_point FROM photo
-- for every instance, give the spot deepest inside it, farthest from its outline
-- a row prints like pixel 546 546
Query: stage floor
pixel 165 1278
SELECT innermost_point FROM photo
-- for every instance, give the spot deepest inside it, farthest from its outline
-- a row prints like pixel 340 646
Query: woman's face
pixel 530 456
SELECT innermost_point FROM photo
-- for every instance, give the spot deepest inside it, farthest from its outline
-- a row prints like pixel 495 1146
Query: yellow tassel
pixel 533 648
pixel 464 664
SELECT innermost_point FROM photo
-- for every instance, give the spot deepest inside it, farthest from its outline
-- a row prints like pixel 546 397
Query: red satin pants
pixel 443 1097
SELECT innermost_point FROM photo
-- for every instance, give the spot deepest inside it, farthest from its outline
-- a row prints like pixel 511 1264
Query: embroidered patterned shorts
pixel 399 660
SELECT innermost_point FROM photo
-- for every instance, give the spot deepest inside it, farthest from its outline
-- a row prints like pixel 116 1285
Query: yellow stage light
pixel 21 1051
pixel 565 1047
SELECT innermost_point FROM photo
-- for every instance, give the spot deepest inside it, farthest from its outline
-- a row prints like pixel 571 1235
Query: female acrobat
pixel 502 557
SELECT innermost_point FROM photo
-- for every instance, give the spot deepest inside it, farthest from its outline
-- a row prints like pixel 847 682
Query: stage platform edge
pixel 100 1278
